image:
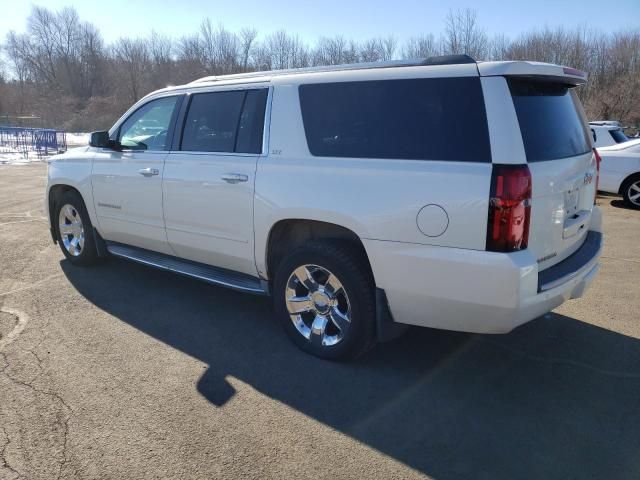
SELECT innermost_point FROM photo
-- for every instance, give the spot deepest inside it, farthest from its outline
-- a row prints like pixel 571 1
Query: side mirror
pixel 101 140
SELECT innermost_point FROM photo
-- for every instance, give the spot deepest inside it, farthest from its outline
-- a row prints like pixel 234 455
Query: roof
pixel 461 63
pixel 267 75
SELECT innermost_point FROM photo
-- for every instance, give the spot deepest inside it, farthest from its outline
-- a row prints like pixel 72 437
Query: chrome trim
pixel 71 230
pixel 208 154
pixel 318 305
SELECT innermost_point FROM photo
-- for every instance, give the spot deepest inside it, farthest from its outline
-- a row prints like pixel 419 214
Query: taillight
pixel 509 208
pixel 598 161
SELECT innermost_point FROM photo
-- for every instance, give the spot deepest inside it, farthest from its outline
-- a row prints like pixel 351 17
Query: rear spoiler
pixel 538 70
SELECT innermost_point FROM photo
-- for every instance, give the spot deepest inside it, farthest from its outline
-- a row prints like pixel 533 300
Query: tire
pixel 351 297
pixel 70 215
pixel 631 188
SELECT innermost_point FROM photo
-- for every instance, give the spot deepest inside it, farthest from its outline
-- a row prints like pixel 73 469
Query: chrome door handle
pixel 234 177
pixel 149 172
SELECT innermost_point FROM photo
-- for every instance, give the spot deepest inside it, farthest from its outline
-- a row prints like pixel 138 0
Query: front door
pixel 209 180
pixel 127 184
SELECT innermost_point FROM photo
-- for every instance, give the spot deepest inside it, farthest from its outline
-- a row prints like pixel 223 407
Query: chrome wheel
pixel 318 305
pixel 71 230
pixel 634 193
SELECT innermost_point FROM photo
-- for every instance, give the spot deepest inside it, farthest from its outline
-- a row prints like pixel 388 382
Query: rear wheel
pixel 324 296
pixel 631 191
pixel 74 229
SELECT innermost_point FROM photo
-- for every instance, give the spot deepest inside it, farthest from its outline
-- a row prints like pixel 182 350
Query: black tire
pixel 350 266
pixel 88 254
pixel 626 191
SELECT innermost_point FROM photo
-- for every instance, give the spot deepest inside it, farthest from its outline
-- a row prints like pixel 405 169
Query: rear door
pixel 209 178
pixel 557 145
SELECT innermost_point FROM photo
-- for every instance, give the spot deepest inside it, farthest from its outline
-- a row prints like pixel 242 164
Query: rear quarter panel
pixel 615 168
pixel 376 199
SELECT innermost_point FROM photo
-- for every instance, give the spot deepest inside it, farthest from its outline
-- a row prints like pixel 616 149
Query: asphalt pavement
pixel 125 372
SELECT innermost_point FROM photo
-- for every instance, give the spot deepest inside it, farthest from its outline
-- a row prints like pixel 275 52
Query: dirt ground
pixel 122 371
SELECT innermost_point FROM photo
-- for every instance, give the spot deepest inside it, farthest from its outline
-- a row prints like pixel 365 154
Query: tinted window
pixel 146 128
pixel 551 118
pixel 212 122
pixel 230 121
pixel 618 135
pixel 422 119
pixel 251 124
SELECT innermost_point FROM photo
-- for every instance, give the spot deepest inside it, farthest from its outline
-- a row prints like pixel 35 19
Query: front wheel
pixel 74 230
pixel 631 192
pixel 324 295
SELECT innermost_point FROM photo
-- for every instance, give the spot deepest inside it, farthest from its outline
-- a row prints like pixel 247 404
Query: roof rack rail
pixel 449 60
pixel 441 60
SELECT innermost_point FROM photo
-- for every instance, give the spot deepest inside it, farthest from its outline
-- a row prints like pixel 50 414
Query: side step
pixel 201 271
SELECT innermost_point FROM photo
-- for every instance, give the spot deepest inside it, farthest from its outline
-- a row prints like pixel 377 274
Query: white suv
pixel 446 193
pixel 607 134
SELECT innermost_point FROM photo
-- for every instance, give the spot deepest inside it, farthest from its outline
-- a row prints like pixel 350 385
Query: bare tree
pixel 423 46
pixel 220 48
pixel 334 51
pixel 160 54
pixel 247 39
pixel 370 50
pixel 498 47
pixel 133 60
pixel 280 51
pixel 60 69
pixel 462 34
pixel 389 45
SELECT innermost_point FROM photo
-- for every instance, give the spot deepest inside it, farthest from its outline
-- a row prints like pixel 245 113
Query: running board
pixel 201 271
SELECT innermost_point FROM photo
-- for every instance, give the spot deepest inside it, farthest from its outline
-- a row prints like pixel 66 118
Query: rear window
pixel 552 122
pixel 618 135
pixel 417 119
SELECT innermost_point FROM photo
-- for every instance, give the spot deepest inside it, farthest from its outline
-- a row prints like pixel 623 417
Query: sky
pixel 355 19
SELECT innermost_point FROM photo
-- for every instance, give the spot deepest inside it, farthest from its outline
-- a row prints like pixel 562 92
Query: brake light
pixel 598 161
pixel 509 208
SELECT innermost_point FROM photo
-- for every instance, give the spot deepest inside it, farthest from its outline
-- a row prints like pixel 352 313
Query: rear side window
pixel 551 118
pixel 618 135
pixel 251 126
pixel 226 122
pixel 417 119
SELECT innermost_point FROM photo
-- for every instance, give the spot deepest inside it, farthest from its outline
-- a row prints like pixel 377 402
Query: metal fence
pixel 32 141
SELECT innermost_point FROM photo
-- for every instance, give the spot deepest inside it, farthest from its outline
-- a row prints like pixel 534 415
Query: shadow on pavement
pixel 620 204
pixel 557 398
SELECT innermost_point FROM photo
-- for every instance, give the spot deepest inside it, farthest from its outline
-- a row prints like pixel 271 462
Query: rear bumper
pixel 477 291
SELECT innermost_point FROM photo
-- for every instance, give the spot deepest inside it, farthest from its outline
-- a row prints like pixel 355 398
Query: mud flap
pixel 387 329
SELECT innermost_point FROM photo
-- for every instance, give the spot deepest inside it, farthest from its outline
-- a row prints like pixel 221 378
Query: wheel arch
pixel 627 179
pixel 288 234
pixel 55 192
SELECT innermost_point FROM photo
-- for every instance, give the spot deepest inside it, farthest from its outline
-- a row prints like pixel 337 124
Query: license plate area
pixel 571 202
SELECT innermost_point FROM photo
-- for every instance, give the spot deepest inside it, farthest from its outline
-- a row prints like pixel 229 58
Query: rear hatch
pixel 557 145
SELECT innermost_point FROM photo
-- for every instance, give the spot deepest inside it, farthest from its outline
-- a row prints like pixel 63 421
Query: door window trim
pixel 184 109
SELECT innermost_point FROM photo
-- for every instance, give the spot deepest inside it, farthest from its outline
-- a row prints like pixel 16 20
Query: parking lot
pixel 122 371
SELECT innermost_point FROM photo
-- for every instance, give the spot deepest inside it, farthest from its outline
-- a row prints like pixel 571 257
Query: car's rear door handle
pixel 149 172
pixel 234 177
